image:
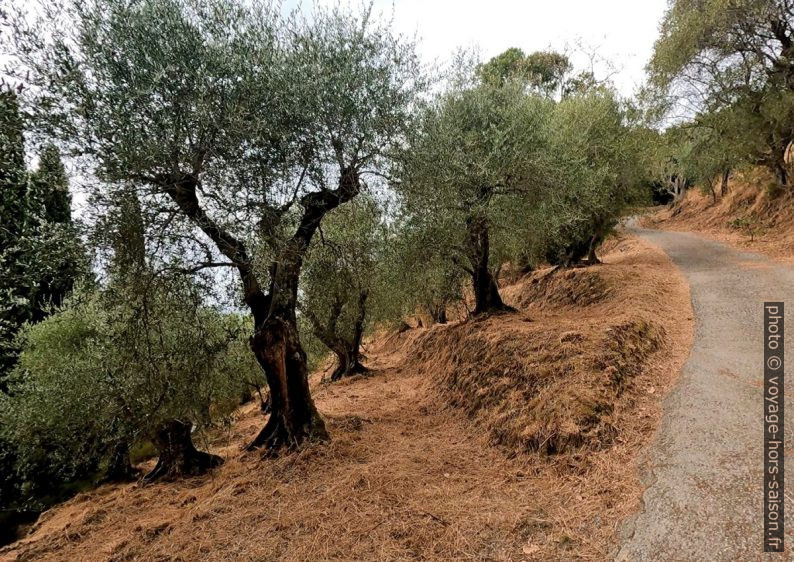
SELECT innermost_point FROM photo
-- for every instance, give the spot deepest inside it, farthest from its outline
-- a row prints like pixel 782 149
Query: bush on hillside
pixel 103 374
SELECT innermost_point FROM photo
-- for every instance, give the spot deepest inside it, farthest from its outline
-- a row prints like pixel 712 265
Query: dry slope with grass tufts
pixel 751 216
pixel 513 437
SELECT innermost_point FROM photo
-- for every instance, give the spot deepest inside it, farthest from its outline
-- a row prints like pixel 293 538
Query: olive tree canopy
pixel 732 58
pixel 479 153
pixel 238 127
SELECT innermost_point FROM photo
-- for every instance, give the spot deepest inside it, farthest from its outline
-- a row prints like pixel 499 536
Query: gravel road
pixel 704 471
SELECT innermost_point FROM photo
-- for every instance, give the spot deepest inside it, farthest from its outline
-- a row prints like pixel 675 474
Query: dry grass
pixel 750 208
pixel 537 385
pixel 411 473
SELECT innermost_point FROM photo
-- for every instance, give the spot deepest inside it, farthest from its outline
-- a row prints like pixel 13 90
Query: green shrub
pixel 105 371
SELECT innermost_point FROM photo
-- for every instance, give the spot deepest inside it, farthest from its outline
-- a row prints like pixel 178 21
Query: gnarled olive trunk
pixel 348 364
pixel 438 312
pixel 349 361
pixel 676 187
pixel 775 157
pixel 592 257
pixel 486 291
pixel 178 456
pixel 275 343
pixel 711 185
pixel 294 419
pixel 724 183
pixel 347 350
pixel 119 468
pixel 293 416
pixel 582 251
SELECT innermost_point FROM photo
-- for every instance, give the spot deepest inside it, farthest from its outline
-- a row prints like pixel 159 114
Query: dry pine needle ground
pixel 443 452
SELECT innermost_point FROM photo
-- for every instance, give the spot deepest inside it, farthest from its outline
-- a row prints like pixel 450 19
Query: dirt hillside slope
pixel 508 438
pixel 749 217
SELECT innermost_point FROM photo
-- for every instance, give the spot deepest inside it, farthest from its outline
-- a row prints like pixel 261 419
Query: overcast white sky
pixel 623 31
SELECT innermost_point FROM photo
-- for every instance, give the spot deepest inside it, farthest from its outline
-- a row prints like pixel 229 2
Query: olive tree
pixel 712 159
pixel 341 281
pixel 597 177
pixel 478 154
pixel 421 275
pixel 104 373
pixel 240 128
pixel 544 72
pixel 716 56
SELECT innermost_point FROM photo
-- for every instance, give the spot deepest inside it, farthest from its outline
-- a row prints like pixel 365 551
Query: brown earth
pixel 512 437
pixel 752 216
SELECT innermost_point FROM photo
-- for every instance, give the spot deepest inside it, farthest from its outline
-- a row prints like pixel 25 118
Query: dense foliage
pixel 342 285
pixel 479 153
pixel 103 373
pixel 41 256
pixel 726 67
pixel 597 177
pixel 499 172
pixel 40 251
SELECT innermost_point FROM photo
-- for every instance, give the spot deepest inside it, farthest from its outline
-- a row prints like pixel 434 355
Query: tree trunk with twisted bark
pixel 178 457
pixel 294 419
pixel 724 183
pixel 347 350
pixel 486 291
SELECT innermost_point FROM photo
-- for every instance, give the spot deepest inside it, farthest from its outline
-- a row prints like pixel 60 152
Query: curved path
pixel 704 472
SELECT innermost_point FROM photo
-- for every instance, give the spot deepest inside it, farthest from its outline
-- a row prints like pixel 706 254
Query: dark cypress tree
pixel 41 255
pixel 51 187
pixel 14 307
pixel 13 195
pixel 13 177
pixel 55 241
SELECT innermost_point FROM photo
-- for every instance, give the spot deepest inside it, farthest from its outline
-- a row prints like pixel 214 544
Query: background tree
pixel 511 64
pixel 341 281
pixel 41 254
pixel 103 374
pixel 13 172
pixel 542 71
pixel 672 161
pixel 582 83
pixel 597 178
pixel 50 187
pixel 40 258
pixel 712 57
pixel 477 152
pixel 547 71
pixel 13 214
pixel 421 273
pixel 711 159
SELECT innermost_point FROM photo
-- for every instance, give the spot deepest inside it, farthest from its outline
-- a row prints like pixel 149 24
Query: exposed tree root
pixel 342 371
pixel 276 437
pixel 178 456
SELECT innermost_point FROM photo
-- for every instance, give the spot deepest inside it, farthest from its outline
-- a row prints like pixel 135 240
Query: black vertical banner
pixel 773 426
